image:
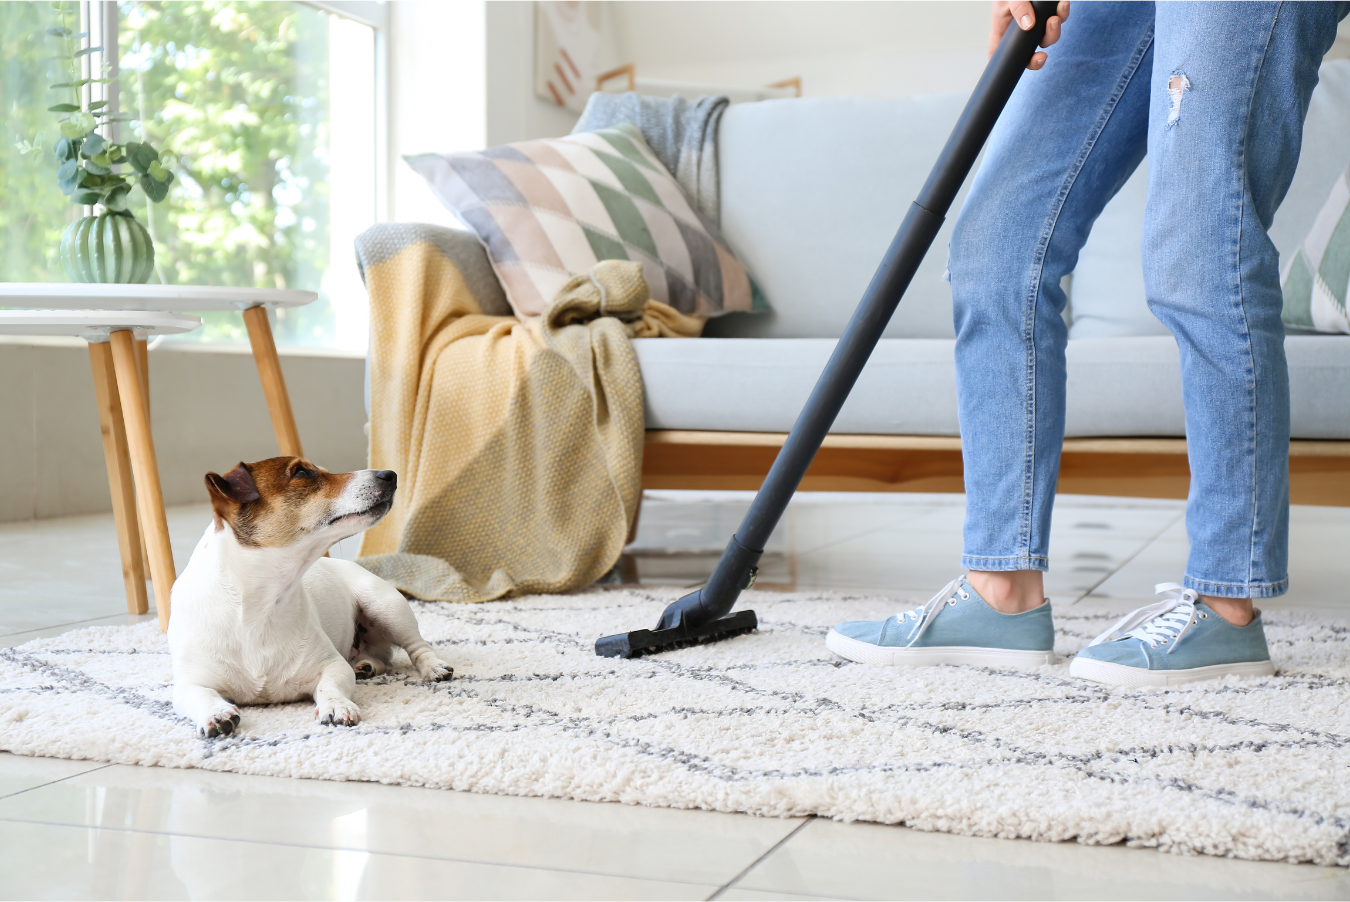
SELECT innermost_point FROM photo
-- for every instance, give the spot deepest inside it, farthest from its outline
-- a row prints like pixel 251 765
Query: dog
pixel 261 616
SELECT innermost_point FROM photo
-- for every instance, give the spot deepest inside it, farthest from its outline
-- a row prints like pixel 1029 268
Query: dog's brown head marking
pixel 273 503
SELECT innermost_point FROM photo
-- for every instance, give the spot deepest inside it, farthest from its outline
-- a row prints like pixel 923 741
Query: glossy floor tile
pixel 44 861
pixel 19 774
pixel 82 830
pixel 618 840
pixel 870 861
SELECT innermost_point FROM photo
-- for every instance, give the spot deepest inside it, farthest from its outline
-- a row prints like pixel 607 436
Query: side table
pixel 124 420
pixel 253 302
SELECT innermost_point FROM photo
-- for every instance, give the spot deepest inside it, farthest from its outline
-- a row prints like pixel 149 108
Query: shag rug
pixel 771 724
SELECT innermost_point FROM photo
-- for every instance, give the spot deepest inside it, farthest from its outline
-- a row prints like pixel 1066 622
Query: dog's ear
pixel 235 487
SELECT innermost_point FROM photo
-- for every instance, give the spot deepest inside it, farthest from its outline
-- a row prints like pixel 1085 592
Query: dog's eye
pixel 302 473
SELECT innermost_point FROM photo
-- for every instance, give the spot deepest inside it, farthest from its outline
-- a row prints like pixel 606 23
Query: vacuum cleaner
pixel 702 617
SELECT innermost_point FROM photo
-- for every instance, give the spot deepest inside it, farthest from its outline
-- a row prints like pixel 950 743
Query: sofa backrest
pixel 813 190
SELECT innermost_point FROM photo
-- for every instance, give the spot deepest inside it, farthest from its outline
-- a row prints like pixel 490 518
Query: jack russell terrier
pixel 261 616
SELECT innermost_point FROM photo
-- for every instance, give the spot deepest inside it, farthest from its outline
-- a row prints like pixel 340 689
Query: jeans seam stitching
pixel 1038 269
pixel 1242 304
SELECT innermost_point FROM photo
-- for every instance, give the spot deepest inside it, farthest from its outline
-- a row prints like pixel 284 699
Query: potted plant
pixel 110 246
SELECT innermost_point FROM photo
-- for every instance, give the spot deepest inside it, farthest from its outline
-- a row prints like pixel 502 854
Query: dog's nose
pixel 388 476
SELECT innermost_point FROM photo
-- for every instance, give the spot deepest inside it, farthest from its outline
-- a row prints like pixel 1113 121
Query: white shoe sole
pixel 866 653
pixel 1136 677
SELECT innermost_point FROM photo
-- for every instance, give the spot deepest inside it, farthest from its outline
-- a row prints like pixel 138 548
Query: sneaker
pixel 1177 640
pixel 956 626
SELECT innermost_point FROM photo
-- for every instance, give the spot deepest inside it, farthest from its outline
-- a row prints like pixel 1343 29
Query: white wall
pixel 838 47
pixel 207 413
pixel 438 77
pixel 514 113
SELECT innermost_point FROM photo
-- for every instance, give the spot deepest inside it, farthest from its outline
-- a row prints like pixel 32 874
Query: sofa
pixel 812 191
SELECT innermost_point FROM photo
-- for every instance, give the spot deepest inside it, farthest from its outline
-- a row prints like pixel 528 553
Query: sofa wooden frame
pixel 1319 471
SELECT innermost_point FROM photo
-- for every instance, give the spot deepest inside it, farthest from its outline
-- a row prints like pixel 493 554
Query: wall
pixel 438 94
pixel 514 113
pixel 838 47
pixel 207 413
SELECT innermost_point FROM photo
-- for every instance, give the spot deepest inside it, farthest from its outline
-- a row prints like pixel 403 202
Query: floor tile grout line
pixel 297 845
pixel 1125 563
pixel 57 626
pixel 20 792
pixel 752 865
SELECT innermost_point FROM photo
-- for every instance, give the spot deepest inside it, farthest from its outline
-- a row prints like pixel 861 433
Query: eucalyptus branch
pixel 91 170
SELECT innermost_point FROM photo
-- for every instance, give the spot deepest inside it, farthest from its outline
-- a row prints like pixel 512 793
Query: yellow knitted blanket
pixel 518 444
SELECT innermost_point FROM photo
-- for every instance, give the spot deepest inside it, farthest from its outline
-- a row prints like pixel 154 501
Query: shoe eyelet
pixel 964 596
pixel 951 601
pixel 1204 616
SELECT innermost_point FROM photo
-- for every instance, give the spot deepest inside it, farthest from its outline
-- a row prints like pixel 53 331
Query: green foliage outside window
pixel 238 93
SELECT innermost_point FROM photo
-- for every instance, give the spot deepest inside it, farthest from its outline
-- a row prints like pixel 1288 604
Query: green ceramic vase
pixel 110 247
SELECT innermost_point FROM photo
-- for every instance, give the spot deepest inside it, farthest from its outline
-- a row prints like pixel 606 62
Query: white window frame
pixel 99 18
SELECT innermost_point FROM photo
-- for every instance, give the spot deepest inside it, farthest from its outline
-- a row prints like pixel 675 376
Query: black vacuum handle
pixel 735 570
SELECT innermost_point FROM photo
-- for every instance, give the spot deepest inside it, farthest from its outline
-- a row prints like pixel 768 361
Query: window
pixel 270 110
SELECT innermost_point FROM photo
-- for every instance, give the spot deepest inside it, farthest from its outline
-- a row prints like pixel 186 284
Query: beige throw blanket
pixel 518 445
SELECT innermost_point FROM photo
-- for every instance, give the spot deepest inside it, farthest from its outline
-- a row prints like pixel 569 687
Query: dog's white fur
pixel 256 625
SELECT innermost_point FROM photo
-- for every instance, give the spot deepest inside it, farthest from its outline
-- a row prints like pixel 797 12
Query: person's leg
pixel 1231 87
pixel 1068 140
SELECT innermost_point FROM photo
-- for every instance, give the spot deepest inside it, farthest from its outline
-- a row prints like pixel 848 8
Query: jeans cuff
pixel 1010 562
pixel 1236 590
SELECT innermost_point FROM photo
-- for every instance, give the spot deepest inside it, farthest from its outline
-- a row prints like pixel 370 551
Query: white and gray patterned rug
pixel 770 724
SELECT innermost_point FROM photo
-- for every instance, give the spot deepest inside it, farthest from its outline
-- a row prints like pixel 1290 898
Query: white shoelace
pixel 924 616
pixel 1161 623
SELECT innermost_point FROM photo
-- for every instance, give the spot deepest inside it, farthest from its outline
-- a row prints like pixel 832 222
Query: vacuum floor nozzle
pixel 650 642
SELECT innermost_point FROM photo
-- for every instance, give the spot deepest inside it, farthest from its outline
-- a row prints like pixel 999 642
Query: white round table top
pixel 94 325
pixel 167 298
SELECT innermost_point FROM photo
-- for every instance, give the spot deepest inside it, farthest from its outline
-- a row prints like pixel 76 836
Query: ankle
pixel 1009 591
pixel 1237 611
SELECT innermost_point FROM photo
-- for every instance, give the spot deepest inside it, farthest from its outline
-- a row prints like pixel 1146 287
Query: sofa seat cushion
pixel 1116 386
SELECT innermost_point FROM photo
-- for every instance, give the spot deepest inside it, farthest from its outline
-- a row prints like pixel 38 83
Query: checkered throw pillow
pixel 1317 279
pixel 550 210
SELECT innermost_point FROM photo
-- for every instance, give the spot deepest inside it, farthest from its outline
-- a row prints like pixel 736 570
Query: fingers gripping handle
pixel 986 102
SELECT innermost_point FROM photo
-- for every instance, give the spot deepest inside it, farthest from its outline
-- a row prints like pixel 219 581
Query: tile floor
pixel 82 830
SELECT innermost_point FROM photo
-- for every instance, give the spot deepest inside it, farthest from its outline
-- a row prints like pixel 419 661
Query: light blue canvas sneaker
pixel 1177 640
pixel 956 626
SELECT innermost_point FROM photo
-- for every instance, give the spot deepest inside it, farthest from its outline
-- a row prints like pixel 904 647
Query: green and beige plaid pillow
pixel 549 210
pixel 1317 279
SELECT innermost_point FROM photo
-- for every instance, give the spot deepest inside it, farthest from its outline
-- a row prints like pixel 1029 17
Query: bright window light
pixel 270 110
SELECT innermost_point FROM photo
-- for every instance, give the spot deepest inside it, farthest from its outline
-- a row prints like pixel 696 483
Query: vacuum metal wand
pixel 700 616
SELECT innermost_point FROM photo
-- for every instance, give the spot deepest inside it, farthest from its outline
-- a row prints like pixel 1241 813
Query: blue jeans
pixel 1222 147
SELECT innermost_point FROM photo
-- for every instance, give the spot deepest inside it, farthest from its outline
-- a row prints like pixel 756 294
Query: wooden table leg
pixel 273 383
pixel 143 368
pixel 149 496
pixel 143 365
pixel 116 456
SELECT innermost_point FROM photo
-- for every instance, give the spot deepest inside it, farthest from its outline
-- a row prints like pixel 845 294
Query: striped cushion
pixel 550 210
pixel 1317 279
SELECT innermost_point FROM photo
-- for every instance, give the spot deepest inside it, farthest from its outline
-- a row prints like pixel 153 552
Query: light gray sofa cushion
pixel 813 191
pixel 1116 386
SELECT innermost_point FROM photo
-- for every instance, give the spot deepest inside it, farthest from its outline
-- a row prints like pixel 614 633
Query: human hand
pixel 1022 11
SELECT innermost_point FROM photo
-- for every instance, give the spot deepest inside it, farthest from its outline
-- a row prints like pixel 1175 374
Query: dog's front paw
pixel 434 670
pixel 219 723
pixel 342 712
